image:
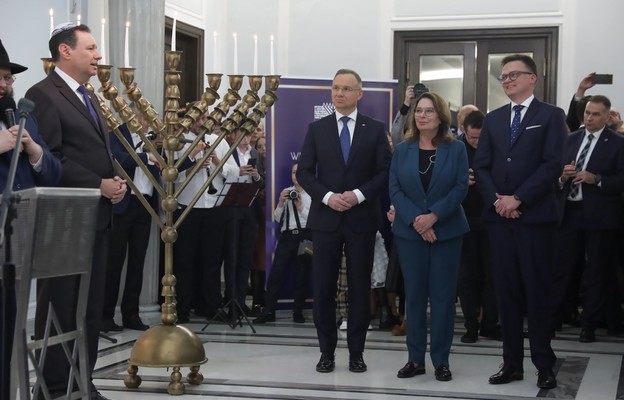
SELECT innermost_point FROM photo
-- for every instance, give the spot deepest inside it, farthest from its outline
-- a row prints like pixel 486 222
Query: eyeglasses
pixel 513 75
pixel 614 113
pixel 471 138
pixel 427 112
pixel 344 89
pixel 8 78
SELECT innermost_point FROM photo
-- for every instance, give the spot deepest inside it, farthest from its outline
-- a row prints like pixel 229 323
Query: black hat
pixel 5 63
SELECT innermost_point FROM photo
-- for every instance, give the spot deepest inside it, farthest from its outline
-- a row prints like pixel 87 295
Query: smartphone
pixel 602 79
pixel 252 162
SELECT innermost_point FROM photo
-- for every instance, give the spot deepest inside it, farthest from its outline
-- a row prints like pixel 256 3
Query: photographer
pixel 292 213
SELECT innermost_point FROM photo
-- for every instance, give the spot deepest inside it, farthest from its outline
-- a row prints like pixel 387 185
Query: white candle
pixel 214 52
pixel 255 64
pixel 126 47
pixel 173 31
pixel 78 20
pixel 272 57
pixel 102 37
pixel 235 54
pixel 51 21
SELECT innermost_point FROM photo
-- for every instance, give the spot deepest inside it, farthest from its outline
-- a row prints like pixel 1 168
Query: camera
pixel 293 194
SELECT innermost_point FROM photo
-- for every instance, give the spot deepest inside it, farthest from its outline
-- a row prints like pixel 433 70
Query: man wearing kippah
pixel 77 134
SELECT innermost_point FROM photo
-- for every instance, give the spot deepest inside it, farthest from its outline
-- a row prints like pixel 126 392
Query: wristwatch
pixel 515 196
pixel 597 179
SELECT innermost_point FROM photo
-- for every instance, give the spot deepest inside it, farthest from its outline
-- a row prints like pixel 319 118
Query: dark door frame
pixel 190 40
pixel 402 40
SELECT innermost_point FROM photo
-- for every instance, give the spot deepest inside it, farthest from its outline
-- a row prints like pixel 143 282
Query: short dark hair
pixel 67 37
pixel 345 71
pixel 604 100
pixel 526 60
pixel 474 120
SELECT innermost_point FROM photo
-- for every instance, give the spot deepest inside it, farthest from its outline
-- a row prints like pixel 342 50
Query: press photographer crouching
pixel 294 246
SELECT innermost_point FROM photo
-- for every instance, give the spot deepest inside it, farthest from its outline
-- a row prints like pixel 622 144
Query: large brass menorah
pixel 169 345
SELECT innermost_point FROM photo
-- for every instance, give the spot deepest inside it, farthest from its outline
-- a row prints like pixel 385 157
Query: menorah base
pixel 175 387
pixel 167 346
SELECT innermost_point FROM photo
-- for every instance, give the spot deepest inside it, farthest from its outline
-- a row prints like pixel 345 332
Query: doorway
pixel 463 65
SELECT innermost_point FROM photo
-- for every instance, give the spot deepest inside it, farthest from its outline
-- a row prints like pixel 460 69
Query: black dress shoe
pixel 135 323
pixel 249 312
pixel 326 363
pixel 109 325
pixel 298 318
pixel 410 370
pixel 443 373
pixel 546 379
pixel 264 318
pixel 506 375
pixel 470 336
pixel 356 363
pixel 493 333
pixel 587 336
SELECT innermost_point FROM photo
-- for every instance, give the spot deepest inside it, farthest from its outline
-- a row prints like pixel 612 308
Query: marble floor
pixel 277 362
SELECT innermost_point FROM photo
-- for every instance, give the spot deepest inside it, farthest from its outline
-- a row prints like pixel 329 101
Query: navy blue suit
pixel 522 248
pixel 588 231
pixel 130 232
pixel 322 169
pixel 429 269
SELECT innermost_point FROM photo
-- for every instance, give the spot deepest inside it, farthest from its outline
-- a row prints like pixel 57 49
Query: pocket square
pixel 532 127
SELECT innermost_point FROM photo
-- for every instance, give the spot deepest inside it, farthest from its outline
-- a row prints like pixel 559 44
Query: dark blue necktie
pixel 574 190
pixel 85 95
pixel 515 124
pixel 345 138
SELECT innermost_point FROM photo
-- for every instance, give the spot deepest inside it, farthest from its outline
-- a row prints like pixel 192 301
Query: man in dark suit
pixel 591 208
pixel 344 167
pixel 475 285
pixel 517 164
pixel 76 133
pixel 130 233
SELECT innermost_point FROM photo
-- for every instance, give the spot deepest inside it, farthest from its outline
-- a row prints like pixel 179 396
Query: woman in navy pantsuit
pixel 428 181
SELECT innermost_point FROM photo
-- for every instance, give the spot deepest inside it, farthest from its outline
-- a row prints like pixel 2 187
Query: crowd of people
pixel 517 213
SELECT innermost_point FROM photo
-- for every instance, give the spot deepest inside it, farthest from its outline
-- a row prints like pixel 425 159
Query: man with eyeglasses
pixel 77 134
pixel 517 166
pixel 344 167
pixel 36 167
pixel 615 120
pixel 475 286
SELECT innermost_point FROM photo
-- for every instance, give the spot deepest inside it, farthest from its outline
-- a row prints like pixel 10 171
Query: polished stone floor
pixel 277 362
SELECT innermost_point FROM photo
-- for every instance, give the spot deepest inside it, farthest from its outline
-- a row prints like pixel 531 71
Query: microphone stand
pixel 8 213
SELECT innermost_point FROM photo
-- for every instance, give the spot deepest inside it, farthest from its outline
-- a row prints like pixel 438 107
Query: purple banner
pixel 302 101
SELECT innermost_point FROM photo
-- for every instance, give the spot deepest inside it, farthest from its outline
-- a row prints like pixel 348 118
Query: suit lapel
pixel 358 137
pixel 441 156
pixel 72 97
pixel 528 116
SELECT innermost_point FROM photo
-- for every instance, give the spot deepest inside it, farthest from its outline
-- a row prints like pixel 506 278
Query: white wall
pixel 313 38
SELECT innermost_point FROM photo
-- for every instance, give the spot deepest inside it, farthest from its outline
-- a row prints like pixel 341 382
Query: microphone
pixel 7 105
pixel 151 135
pixel 182 139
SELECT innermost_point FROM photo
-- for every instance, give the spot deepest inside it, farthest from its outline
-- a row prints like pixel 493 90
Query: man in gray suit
pixel 74 129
